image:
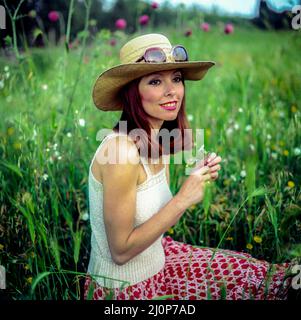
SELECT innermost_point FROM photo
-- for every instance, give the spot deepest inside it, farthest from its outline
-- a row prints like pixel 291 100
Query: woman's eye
pixel 180 78
pixel 153 81
pixel 157 81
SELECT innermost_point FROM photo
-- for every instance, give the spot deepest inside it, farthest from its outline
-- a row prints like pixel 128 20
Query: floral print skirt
pixel 194 273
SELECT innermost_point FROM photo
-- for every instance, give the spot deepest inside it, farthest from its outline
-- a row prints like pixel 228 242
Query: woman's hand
pixel 193 189
pixel 212 161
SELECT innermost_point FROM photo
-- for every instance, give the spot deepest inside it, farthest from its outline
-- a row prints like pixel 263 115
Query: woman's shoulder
pixel 117 149
pixel 117 154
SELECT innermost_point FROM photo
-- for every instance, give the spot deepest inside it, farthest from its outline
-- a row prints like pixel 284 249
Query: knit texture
pixel 152 195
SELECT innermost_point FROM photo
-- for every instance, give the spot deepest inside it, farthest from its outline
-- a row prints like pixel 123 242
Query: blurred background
pixel 248 104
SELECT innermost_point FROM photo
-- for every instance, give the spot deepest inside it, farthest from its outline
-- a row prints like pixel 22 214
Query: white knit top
pixel 152 195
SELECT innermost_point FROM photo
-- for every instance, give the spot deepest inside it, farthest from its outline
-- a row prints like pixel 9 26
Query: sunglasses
pixel 157 55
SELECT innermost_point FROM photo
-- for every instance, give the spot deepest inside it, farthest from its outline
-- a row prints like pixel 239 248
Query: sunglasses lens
pixel 155 55
pixel 180 54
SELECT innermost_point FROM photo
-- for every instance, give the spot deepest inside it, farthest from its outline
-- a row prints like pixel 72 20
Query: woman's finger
pixel 214 176
pixel 214 161
pixel 215 168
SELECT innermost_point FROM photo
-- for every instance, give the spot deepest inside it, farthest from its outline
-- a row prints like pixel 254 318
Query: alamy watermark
pixel 2 278
pixel 296 21
pixel 296 282
pixel 193 153
pixel 2 18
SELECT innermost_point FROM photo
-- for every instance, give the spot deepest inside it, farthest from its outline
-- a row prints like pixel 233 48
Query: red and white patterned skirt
pixel 190 273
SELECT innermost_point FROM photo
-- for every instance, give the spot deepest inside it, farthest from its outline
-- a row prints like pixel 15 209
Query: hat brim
pixel 108 84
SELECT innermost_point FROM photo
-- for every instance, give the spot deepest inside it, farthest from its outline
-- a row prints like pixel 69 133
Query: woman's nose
pixel 170 89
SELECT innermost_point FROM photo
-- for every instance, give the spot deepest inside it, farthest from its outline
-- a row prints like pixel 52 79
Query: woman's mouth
pixel 169 106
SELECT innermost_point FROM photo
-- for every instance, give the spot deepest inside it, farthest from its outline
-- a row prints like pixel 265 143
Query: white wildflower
pixel 85 216
pixel 1 84
pixel 76 111
pixel 45 176
pixel 56 153
pixel 229 131
pixel 248 127
pixel 233 177
pixel 240 110
pixel 252 147
pixel 297 151
pixel 190 117
pixel 6 68
pixel 44 86
pixel 269 137
pixel 281 114
pixel 7 74
pixel 59 158
pixel 82 122
pixel 55 146
pixel 47 149
pixel 69 134
pixel 236 126
pixel 274 155
pixel 243 173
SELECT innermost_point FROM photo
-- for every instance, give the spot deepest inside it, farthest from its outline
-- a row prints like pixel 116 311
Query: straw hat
pixel 108 84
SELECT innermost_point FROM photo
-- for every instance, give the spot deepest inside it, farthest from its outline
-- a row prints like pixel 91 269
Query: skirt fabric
pixel 190 273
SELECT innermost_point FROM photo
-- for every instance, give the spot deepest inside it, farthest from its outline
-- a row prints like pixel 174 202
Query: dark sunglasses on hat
pixel 157 55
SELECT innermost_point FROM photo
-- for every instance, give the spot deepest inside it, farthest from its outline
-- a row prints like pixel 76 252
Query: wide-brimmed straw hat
pixel 107 86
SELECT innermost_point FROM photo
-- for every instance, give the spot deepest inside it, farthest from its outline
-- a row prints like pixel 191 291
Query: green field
pixel 248 104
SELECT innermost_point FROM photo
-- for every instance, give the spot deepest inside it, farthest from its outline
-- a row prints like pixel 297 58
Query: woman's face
pixel 160 88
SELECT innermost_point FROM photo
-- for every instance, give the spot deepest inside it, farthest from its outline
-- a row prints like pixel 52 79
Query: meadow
pixel 248 104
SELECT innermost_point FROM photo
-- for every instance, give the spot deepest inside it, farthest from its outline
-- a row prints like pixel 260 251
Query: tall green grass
pixel 248 104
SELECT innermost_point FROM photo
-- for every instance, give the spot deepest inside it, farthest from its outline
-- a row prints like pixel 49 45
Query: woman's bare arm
pixel 120 188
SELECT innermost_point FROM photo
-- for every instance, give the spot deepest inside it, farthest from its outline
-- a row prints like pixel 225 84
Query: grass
pixel 249 105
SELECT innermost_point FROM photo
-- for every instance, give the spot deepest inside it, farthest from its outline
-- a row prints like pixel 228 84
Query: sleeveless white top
pixel 152 195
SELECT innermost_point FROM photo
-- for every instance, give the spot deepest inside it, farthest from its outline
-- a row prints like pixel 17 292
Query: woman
pixel 131 205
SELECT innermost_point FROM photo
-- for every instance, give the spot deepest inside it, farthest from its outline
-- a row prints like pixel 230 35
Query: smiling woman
pixel 131 204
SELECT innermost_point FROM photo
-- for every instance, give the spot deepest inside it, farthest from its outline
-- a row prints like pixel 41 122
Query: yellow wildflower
pixel 257 239
pixel 170 231
pixel 29 280
pixel 1 246
pixel 249 246
pixel 17 145
pixel 193 207
pixel 26 267
pixel 285 152
pixel 10 131
pixel 208 132
pixel 281 143
pixel 229 238
pixel 294 109
pixel 291 184
pixel 226 182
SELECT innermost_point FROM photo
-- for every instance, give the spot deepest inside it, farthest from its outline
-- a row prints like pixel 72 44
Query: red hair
pixel 136 118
